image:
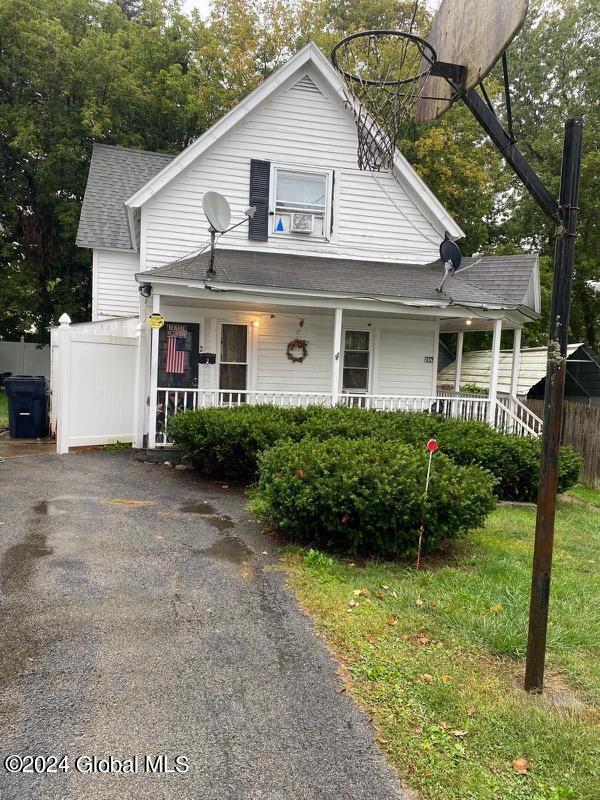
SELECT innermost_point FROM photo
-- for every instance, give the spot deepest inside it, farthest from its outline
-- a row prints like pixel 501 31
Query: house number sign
pixel 156 320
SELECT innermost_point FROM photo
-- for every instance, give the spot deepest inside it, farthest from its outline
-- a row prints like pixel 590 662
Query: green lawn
pixel 585 494
pixel 3 409
pixel 436 658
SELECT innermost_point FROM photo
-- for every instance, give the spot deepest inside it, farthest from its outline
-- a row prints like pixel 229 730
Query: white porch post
pixel 460 340
pixel 516 363
pixel 493 392
pixel 63 384
pixel 153 377
pixel 337 356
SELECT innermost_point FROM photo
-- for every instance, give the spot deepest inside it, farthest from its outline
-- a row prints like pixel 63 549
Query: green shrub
pixel 367 495
pixel 228 440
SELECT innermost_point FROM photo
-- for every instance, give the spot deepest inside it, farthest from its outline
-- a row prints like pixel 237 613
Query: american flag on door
pixel 176 347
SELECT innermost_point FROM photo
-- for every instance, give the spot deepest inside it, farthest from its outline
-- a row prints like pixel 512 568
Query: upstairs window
pixel 302 201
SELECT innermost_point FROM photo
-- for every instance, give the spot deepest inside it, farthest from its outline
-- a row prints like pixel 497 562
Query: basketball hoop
pixel 384 74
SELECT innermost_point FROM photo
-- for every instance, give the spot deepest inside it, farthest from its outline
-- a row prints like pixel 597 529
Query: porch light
pixel 468 321
pixel 145 289
pixel 255 323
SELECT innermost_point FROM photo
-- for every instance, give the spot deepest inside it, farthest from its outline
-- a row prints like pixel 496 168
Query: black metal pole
pixel 555 384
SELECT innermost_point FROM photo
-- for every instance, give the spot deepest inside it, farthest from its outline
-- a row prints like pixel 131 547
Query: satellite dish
pixel 217 211
pixel 450 252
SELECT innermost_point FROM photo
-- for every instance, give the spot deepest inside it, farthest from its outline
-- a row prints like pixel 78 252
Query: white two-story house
pixel 331 293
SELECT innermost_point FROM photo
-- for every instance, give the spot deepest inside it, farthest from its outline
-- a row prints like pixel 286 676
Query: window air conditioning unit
pixel 303 223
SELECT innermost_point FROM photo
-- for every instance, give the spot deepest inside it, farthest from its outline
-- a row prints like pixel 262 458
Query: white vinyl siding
pixel 398 349
pixel 115 291
pixel 403 348
pixel 373 216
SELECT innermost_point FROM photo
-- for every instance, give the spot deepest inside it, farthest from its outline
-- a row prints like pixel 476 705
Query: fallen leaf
pixel 424 639
pixel 340 690
pixel 458 733
pixel 356 592
pixel 352 603
pixel 443 725
pixel 521 765
pixel 418 602
pixel 433 604
pixel 383 586
pixel 426 677
pixel 496 608
pixel 419 730
pixel 446 678
pixel 392 621
pixel 299 473
pixel 470 712
pixel 378 595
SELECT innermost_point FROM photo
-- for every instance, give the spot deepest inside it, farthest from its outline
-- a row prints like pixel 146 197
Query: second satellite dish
pixel 217 211
pixel 450 252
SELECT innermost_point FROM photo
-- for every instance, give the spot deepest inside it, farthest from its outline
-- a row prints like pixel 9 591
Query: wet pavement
pixel 143 613
pixel 10 448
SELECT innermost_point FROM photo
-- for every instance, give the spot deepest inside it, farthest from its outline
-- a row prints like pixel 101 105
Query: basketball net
pixel 384 73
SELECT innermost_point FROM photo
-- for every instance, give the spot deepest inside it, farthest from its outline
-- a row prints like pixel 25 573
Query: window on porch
pixel 355 376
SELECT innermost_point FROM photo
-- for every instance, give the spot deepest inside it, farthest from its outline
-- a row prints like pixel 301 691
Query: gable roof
pixel 115 173
pixel 414 282
pixel 417 190
pixel 476 365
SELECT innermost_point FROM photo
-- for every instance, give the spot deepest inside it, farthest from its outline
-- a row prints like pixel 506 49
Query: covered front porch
pixel 236 350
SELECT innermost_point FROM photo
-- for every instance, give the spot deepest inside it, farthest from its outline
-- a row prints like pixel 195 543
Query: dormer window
pixel 301 202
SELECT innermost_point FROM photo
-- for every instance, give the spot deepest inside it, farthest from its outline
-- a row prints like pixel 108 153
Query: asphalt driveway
pixel 142 613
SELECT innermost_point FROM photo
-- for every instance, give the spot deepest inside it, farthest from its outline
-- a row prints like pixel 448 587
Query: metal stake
pixel 555 383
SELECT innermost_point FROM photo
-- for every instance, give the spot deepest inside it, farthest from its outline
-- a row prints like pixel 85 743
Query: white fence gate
pixel 93 386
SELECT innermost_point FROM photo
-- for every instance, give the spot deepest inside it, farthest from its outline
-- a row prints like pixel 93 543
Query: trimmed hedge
pixel 367 495
pixel 228 441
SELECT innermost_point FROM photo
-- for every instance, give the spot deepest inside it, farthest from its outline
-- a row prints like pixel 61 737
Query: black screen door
pixel 178 344
pixel 233 362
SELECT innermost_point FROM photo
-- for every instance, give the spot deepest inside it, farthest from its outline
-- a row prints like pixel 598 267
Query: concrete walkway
pixel 143 613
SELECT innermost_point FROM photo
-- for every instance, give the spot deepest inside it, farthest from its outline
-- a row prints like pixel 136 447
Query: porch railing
pixel 511 418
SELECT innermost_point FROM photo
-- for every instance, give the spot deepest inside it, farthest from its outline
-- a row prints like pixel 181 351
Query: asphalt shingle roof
pixel 363 278
pixel 115 174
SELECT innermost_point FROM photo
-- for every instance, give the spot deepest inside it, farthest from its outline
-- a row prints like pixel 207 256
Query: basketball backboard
pixel 472 34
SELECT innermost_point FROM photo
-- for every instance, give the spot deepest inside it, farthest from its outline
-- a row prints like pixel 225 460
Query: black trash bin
pixel 27 406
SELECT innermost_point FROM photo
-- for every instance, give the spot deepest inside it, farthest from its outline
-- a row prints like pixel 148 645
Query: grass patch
pixel 436 658
pixel 3 409
pixel 585 494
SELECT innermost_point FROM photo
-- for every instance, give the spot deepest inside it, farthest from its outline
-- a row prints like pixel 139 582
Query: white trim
pixel 460 341
pixel 516 365
pixel 493 392
pixel 309 54
pixel 436 355
pixel 336 356
pixel 94 285
pixel 153 376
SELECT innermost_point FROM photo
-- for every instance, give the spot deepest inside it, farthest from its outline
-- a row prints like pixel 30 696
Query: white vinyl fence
pixel 25 358
pixel 93 386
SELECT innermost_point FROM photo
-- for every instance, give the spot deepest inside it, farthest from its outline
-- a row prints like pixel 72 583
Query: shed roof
pixel 477 363
pixel 115 174
pixel 353 277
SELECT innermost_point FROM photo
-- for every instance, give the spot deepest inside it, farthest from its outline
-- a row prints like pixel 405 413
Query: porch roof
pixel 495 281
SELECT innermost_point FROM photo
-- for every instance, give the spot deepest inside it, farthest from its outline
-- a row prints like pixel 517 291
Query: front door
pixel 178 355
pixel 233 362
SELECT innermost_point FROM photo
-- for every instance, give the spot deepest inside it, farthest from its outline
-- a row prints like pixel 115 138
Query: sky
pixel 203 6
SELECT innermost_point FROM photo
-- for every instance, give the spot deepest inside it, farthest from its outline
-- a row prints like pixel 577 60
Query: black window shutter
pixel 260 172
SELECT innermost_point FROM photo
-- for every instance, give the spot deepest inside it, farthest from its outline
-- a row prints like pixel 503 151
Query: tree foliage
pixel 141 73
